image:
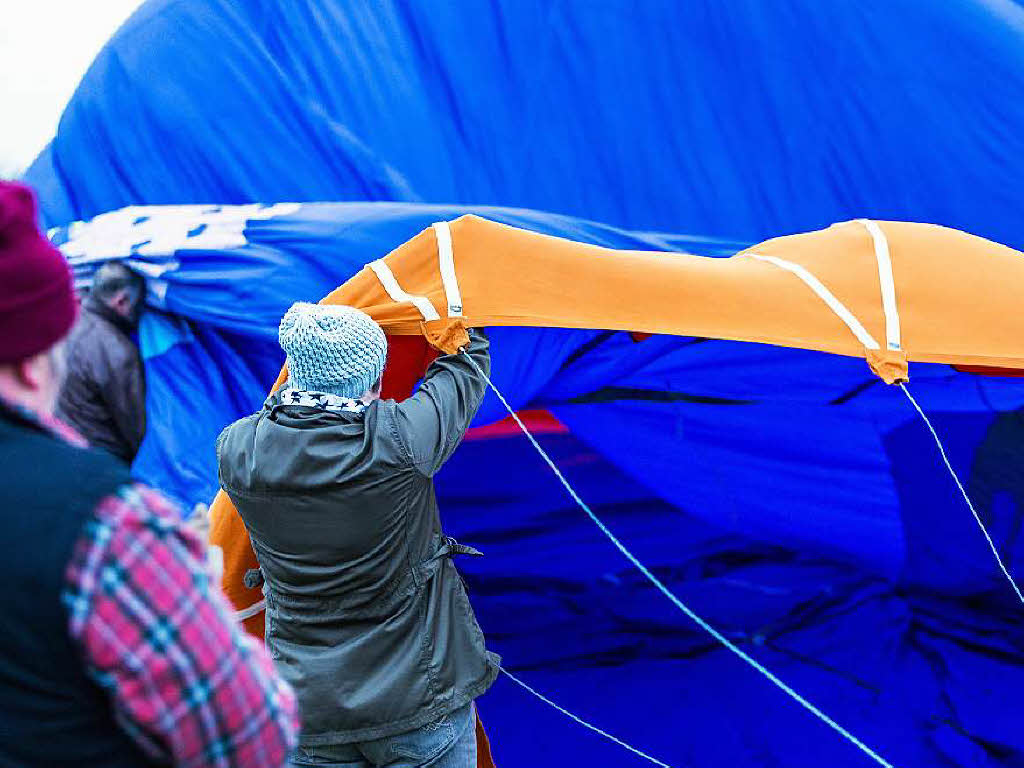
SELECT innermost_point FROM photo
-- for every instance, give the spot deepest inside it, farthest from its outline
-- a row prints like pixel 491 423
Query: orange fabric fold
pixel 958 298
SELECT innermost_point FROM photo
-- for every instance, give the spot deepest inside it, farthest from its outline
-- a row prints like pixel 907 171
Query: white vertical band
pixel 387 279
pixel 446 260
pixel 885 280
pixel 825 295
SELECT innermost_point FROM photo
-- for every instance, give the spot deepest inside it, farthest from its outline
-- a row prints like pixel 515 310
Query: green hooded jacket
pixel 367 617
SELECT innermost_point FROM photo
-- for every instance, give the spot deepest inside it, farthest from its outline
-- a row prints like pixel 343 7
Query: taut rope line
pixel 956 479
pixel 581 721
pixel 669 594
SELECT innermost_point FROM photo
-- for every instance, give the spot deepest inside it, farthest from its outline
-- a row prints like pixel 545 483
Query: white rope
pixel 826 296
pixel 252 610
pixel 956 479
pixel 668 593
pixel 581 721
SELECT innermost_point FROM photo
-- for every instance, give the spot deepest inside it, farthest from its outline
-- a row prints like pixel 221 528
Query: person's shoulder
pixel 381 412
pixel 91 325
pixel 136 517
pixel 233 449
pixel 132 504
pixel 95 469
pixel 240 428
pixel 85 473
pixel 98 342
pixel 118 339
pixel 382 419
pixel 82 333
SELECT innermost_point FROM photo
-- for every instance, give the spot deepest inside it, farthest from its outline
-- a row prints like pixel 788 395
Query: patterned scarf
pixel 325 401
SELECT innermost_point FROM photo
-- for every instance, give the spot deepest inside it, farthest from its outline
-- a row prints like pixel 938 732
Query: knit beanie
pixel 335 349
pixel 37 297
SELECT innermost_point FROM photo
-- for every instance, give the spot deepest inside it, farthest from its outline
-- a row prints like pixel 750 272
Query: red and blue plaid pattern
pixel 186 683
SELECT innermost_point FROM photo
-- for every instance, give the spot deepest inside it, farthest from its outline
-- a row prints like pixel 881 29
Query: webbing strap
pixel 252 610
pixel 446 261
pixel 888 285
pixel 826 296
pixel 387 279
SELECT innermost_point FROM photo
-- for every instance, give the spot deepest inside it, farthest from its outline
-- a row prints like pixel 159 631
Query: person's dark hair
pixel 114 277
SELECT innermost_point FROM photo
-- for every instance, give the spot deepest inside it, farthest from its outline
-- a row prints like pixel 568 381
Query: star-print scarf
pixel 325 401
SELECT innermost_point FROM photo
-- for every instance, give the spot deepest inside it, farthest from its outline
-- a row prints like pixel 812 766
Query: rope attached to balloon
pixel 660 586
pixel 789 691
pixel 956 479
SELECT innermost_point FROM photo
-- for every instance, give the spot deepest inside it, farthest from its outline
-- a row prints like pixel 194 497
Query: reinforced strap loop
pixel 252 610
pixel 446 262
pixel 888 285
pixel 826 296
pixel 394 290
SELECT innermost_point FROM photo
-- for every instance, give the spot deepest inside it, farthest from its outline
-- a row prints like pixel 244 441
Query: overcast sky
pixel 45 48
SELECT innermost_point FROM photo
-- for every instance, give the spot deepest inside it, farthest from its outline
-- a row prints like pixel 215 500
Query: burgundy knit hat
pixel 37 297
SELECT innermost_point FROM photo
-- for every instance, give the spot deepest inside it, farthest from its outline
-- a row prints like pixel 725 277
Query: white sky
pixel 45 48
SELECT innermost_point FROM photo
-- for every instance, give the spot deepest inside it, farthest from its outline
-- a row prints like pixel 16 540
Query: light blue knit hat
pixel 330 348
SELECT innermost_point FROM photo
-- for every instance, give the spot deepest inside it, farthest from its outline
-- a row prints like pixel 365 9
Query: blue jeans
pixel 448 743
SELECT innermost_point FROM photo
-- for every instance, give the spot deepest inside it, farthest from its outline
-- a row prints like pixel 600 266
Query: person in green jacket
pixel 367 616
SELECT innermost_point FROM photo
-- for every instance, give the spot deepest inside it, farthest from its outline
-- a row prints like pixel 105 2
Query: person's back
pixel 116 649
pixel 103 396
pixel 59 714
pixel 367 616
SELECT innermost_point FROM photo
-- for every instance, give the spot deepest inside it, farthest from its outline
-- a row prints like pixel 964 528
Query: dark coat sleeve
pixel 432 422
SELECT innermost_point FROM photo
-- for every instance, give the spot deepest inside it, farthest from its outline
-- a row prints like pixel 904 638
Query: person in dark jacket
pixel 104 396
pixel 117 648
pixel 367 617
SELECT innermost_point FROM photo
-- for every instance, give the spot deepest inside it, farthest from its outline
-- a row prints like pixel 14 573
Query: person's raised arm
pixel 185 682
pixel 432 422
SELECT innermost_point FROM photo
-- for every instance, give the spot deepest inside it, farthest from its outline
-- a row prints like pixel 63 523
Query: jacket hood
pixel 292 447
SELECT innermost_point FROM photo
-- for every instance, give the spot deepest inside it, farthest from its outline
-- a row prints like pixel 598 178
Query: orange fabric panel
pixel 228 532
pixel 958 297
pixel 957 293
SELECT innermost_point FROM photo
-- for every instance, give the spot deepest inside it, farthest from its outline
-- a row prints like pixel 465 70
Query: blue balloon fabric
pixel 789 497
pixel 737 119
